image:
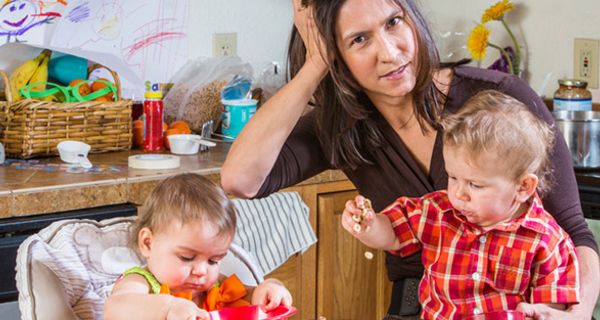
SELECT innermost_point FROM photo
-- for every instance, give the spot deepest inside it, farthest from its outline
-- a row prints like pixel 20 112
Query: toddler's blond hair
pixel 185 198
pixel 495 123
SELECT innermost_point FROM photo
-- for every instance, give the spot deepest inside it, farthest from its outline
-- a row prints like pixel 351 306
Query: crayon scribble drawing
pixel 17 17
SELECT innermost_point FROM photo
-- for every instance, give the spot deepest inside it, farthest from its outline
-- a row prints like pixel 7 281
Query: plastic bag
pixel 196 93
pixel 270 80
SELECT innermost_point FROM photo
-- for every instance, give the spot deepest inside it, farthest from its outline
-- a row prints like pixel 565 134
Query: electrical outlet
pixel 224 44
pixel 585 66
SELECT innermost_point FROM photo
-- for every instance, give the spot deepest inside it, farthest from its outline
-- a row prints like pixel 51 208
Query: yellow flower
pixel 478 41
pixel 497 11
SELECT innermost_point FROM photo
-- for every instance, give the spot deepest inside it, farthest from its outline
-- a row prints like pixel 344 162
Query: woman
pixel 379 91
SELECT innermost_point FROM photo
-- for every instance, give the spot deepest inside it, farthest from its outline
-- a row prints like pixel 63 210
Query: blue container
pixel 67 68
pixel 237 113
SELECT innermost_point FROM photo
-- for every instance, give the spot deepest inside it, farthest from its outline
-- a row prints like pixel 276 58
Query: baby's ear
pixel 527 185
pixel 145 242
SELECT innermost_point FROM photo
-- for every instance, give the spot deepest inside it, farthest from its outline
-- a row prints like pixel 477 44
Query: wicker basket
pixel 33 128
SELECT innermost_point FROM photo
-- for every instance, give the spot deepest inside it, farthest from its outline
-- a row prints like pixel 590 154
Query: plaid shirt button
pixel 476 311
pixel 482 239
pixel 476 276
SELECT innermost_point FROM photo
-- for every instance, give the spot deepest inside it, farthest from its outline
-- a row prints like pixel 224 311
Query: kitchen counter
pixel 26 192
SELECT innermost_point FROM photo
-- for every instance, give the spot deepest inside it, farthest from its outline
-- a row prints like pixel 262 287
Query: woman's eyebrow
pixel 354 34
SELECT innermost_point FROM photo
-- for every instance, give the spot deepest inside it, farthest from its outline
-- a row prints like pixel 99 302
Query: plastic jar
pixel 153 121
pixel 572 95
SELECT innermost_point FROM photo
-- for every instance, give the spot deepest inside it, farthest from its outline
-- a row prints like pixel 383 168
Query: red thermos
pixel 153 112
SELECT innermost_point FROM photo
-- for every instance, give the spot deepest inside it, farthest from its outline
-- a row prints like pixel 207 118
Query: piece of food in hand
pixel 359 219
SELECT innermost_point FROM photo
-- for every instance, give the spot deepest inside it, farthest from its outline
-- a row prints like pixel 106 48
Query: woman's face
pixel 378 44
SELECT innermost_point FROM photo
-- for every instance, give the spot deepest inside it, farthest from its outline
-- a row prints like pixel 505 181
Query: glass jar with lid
pixel 572 95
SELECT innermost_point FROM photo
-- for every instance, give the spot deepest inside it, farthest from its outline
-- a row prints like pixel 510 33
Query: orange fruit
pixel 102 99
pixel 97 85
pixel 138 136
pixel 169 132
pixel 181 124
pixel 138 123
pixel 84 89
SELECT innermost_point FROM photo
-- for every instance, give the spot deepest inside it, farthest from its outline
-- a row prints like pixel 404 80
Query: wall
pixel 547 29
pixel 262 27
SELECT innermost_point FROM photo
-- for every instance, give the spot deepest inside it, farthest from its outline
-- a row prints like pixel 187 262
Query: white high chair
pixel 67 269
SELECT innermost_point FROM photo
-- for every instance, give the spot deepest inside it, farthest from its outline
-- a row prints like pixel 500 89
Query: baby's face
pixel 187 257
pixel 482 192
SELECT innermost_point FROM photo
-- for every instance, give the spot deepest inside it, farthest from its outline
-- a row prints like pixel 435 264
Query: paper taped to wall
pixel 140 40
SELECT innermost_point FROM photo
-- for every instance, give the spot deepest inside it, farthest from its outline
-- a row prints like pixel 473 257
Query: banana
pixel 40 75
pixel 24 72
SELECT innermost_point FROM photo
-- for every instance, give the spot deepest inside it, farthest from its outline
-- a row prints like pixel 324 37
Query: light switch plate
pixel 224 44
pixel 585 61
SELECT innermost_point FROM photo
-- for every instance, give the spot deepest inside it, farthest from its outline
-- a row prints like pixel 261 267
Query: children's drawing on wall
pixel 140 40
pixel 17 17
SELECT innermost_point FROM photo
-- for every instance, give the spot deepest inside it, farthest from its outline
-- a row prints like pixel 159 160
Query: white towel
pixel 274 228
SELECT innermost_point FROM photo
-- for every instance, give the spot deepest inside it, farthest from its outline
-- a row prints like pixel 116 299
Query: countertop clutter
pixel 46 187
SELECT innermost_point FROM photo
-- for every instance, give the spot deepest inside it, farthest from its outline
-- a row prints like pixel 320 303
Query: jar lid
pixel 572 83
pixel 153 95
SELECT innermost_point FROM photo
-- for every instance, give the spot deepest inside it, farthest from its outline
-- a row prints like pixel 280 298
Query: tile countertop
pixel 28 192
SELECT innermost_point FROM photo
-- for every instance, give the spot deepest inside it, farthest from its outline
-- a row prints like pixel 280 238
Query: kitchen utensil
pixel 187 143
pixel 581 130
pixel 153 161
pixel 71 151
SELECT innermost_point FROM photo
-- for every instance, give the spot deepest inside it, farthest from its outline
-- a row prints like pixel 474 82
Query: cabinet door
pixel 350 285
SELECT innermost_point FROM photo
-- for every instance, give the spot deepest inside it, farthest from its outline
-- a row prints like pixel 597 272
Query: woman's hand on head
pixel 183 309
pixel 270 294
pixel 305 24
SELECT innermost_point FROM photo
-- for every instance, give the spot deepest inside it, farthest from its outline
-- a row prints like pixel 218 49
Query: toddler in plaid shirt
pixel 487 243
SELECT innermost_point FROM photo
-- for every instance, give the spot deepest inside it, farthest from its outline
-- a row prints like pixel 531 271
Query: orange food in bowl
pixel 181 124
pixel 97 85
pixel 84 89
pixel 169 132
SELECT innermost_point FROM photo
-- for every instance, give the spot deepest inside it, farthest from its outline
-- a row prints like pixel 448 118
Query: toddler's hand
pixel 183 309
pixel 270 294
pixel 358 215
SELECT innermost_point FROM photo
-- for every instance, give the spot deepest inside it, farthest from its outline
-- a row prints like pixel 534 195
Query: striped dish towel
pixel 274 228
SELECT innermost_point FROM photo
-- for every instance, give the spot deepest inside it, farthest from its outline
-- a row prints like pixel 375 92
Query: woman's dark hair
pixel 342 108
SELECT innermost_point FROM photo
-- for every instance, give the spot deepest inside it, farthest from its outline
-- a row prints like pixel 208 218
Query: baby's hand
pixel 358 215
pixel 183 309
pixel 270 294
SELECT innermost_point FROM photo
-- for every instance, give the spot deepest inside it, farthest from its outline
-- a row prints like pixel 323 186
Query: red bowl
pixel 252 313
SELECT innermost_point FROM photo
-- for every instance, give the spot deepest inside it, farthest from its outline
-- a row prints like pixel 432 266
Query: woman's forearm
pixel 256 149
pixel 589 277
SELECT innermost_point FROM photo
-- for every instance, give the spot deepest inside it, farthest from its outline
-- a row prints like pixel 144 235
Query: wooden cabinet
pixel 335 279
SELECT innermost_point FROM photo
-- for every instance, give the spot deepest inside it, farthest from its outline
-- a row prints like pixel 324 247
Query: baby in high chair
pixel 183 231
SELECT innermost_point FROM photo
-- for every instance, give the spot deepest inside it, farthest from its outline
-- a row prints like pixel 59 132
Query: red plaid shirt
pixel 469 271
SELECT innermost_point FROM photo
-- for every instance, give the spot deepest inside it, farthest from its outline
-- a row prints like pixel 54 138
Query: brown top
pixel 395 173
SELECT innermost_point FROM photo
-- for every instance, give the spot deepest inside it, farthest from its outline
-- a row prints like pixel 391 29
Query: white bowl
pixel 71 151
pixel 186 143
